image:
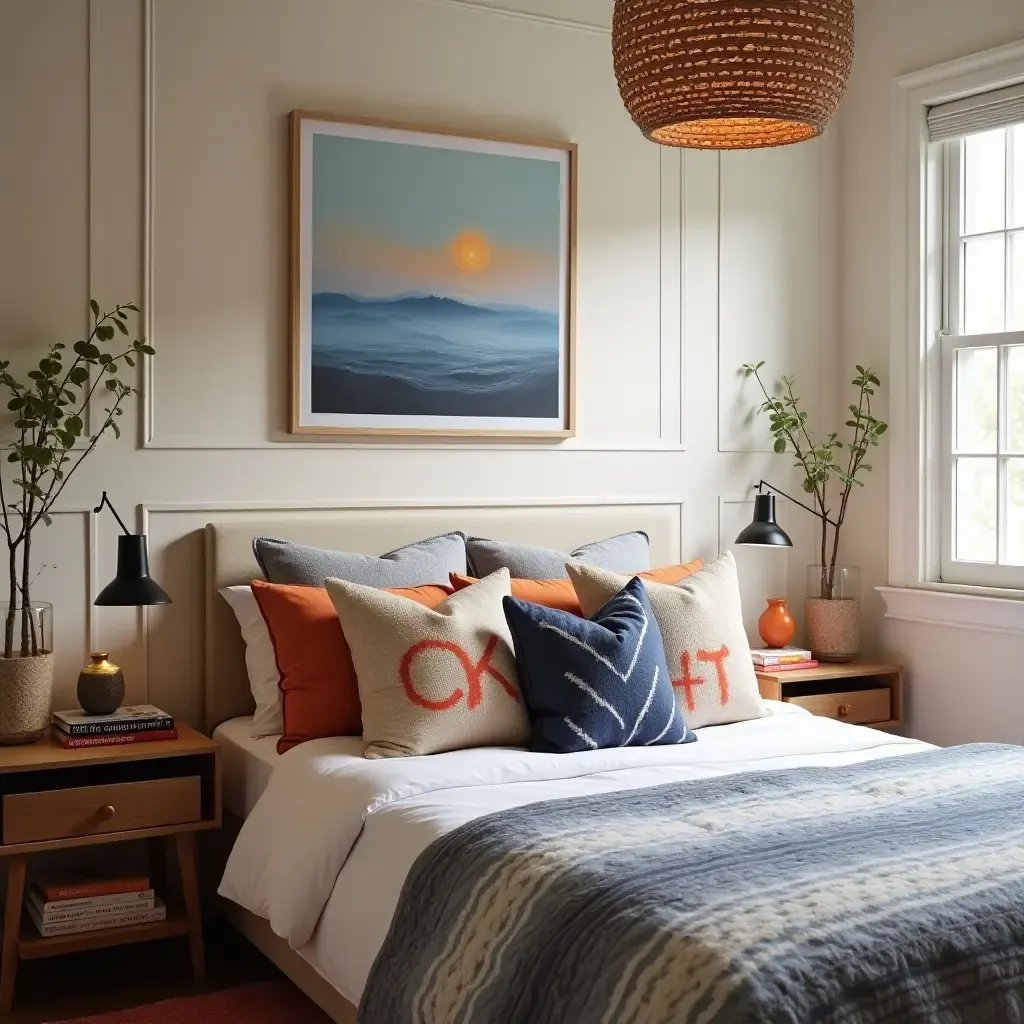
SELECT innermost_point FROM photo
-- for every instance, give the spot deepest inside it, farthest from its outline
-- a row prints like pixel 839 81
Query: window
pixel 982 407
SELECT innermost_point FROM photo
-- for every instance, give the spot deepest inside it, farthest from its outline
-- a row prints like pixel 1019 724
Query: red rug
pixel 274 1002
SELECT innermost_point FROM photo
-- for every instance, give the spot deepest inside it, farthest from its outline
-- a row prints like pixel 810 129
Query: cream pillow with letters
pixel 433 679
pixel 701 622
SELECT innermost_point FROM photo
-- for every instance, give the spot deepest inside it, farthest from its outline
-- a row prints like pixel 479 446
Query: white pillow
pixel 260 661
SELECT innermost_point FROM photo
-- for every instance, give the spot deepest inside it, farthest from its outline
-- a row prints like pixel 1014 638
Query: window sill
pixel 954 607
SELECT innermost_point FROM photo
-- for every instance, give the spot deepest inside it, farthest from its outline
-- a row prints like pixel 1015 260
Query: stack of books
pixel 140 723
pixel 67 906
pixel 782 659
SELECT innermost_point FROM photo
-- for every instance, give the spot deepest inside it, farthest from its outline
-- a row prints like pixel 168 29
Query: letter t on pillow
pixel 706 645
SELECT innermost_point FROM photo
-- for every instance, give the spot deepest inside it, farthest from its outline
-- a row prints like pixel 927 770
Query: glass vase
pixel 832 612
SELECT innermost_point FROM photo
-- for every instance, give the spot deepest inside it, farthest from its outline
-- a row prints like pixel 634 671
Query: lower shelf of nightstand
pixel 32 946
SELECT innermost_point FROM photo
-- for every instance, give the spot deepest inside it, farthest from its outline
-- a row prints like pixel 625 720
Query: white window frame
pixel 953 340
pixel 917 318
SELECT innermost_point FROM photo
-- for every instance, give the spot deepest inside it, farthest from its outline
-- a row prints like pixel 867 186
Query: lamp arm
pixel 762 484
pixel 106 501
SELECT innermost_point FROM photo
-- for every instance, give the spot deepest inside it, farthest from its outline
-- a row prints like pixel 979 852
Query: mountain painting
pixel 434 282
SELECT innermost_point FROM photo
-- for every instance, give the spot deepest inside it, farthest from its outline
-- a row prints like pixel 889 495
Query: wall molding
pixel 945 610
pixel 671 333
pixel 503 11
pixel 92 564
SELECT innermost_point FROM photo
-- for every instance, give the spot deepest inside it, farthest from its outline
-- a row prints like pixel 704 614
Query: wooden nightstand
pixel 862 694
pixel 55 799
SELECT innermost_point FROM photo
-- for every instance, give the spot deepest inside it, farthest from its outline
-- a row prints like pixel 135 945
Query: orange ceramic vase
pixel 776 625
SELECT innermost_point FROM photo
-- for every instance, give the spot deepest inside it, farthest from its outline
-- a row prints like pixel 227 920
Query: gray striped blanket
pixel 889 891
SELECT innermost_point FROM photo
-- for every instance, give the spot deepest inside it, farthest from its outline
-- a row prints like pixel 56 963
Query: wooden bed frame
pixel 230 562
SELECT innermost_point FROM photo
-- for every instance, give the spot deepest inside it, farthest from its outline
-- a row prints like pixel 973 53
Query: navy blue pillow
pixel 598 682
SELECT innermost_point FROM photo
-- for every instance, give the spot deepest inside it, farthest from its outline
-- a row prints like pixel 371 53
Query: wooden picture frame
pixel 432 282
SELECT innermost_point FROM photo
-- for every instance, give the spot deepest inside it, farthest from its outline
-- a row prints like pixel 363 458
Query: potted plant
pixel 45 445
pixel 833 590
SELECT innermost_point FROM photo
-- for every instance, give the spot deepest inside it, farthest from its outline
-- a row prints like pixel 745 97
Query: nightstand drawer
pixel 92 810
pixel 859 707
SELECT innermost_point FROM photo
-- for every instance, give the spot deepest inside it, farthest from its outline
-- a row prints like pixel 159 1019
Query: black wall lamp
pixel 132 586
pixel 764 531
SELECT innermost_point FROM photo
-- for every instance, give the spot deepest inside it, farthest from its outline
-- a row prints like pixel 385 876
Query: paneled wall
pixel 149 143
pixel 966 682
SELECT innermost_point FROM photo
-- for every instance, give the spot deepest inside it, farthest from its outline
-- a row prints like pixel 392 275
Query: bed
pixel 328 839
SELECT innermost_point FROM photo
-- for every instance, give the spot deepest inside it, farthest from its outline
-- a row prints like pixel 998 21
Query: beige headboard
pixel 230 562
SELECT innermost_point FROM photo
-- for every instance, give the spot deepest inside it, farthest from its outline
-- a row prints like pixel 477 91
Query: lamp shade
pixel 132 586
pixel 732 74
pixel 764 531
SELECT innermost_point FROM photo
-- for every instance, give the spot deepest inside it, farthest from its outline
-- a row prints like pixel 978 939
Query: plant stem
pixel 11 607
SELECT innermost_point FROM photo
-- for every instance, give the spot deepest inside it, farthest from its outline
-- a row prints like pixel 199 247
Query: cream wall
pixel 149 160
pixel 966 681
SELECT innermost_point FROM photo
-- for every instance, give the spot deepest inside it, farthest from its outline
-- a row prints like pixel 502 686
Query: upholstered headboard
pixel 230 562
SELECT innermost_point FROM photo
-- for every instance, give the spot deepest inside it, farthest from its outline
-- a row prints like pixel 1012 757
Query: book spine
pixel 124 899
pixel 94 913
pixel 117 921
pixel 115 728
pixel 112 740
pixel 81 890
pixel 795 667
pixel 779 659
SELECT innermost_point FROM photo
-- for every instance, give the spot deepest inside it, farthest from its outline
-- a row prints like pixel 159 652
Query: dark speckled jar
pixel 100 686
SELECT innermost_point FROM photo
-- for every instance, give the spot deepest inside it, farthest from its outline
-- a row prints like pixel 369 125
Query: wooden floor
pixel 114 979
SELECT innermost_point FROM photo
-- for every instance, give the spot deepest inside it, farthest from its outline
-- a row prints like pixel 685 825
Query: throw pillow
pixel 318 690
pixel 561 594
pixel 626 553
pixel 260 663
pixel 433 679
pixel 415 565
pixel 593 683
pixel 702 624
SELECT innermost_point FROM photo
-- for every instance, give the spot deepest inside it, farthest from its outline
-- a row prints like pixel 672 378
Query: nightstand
pixel 859 693
pixel 56 799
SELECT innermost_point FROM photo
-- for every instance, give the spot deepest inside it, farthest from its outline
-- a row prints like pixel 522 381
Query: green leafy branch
pixel 51 407
pixel 820 461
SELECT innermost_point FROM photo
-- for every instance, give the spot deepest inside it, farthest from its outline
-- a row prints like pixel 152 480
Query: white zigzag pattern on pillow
pixel 624 676
pixel 645 708
pixel 589 740
pixel 596 697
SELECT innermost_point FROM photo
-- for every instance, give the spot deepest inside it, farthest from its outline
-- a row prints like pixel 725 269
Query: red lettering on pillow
pixel 718 659
pixel 688 682
pixel 473 675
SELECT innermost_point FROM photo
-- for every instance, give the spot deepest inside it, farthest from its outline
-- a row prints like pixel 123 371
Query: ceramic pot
pixel 832 612
pixel 776 626
pixel 100 686
pixel 26 689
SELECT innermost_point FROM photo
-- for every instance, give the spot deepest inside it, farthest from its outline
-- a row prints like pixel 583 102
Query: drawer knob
pixel 107 813
pixel 844 710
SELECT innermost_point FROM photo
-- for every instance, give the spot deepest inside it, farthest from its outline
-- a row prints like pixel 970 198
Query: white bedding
pixel 334 835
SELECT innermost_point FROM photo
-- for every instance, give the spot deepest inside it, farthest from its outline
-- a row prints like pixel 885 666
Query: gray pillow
pixel 415 565
pixel 626 553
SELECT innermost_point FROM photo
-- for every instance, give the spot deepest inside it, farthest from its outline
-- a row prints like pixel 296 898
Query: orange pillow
pixel 560 594
pixel 319 693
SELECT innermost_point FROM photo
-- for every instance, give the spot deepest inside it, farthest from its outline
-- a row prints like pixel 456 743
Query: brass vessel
pixel 100 685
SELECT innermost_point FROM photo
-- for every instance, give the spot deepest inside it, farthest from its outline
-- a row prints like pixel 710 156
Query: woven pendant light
pixel 732 74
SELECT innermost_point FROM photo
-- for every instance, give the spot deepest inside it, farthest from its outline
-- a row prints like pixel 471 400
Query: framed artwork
pixel 432 282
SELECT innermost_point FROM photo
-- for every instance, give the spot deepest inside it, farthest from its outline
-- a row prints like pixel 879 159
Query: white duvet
pixel 326 849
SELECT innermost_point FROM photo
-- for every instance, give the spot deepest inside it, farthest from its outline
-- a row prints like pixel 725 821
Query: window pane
pixel 977 400
pixel 1015 303
pixel 1015 399
pixel 984 285
pixel 1015 512
pixel 1017 188
pixel 985 182
pixel 976 539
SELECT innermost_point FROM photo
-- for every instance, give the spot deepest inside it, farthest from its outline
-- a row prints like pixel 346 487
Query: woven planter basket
pixel 732 74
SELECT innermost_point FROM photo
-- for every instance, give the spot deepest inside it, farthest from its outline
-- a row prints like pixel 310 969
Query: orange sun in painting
pixel 471 252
